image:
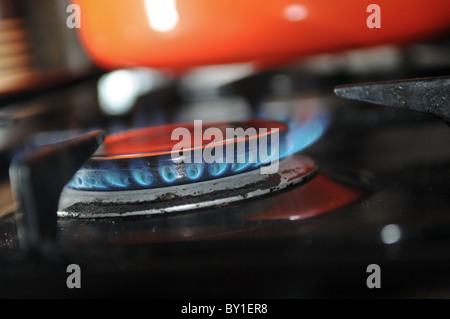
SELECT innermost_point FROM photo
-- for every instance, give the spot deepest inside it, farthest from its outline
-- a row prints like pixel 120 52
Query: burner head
pixel 183 153
pixel 293 170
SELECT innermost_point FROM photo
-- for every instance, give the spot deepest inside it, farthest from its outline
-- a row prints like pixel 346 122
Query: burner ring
pixel 293 170
pixel 152 157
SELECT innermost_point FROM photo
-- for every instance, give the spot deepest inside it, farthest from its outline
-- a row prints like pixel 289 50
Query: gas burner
pixel 149 171
pixel 293 170
pixel 155 157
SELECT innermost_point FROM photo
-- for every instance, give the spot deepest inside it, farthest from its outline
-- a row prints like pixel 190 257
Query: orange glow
pixel 316 197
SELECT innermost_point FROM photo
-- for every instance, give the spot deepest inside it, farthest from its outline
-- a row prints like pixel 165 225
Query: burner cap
pixel 293 170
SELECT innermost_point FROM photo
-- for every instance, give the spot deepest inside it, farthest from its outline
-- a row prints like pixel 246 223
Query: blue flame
pixel 194 171
pixel 118 179
pixel 239 167
pixel 114 176
pixel 250 158
pixel 217 169
pixel 142 174
pixel 303 134
pixel 87 179
pixel 168 173
pixel 142 177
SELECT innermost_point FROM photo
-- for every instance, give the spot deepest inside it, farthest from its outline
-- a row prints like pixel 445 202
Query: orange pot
pixel 181 34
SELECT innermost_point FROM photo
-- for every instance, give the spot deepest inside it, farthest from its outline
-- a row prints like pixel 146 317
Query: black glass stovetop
pixel 380 196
